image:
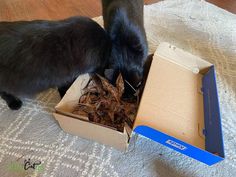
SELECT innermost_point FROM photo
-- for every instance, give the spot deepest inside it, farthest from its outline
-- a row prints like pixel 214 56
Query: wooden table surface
pixel 11 10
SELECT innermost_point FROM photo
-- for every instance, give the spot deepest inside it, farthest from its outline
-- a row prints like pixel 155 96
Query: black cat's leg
pixel 63 89
pixel 13 102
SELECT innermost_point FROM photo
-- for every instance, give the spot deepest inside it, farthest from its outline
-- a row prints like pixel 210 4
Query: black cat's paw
pixel 13 102
pixel 15 105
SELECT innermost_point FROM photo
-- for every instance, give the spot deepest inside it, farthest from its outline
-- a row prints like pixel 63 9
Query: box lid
pixel 175 109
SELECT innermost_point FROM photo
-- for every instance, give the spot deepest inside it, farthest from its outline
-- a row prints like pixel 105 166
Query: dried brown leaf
pixel 110 88
pixel 101 103
pixel 120 85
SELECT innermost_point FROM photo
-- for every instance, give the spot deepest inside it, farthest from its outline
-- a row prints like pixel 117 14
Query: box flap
pixel 172 100
pixel 182 58
pixel 179 107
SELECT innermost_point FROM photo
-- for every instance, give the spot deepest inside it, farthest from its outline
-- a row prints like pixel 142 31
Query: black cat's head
pixel 129 53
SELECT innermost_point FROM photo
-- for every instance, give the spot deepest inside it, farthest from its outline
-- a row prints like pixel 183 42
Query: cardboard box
pixel 179 108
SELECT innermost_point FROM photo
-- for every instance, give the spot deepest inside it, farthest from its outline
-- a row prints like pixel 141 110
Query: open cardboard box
pixel 179 108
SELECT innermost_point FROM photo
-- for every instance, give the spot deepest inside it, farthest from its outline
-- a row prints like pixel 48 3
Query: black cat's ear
pixel 109 73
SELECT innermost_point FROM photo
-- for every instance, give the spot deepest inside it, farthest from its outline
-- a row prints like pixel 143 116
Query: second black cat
pixel 37 55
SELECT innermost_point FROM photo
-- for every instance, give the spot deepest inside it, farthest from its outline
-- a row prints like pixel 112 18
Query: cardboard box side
pixel 79 125
pixel 172 102
pixel 213 128
pixel 177 145
pixel 93 132
pixel 73 94
pixel 62 111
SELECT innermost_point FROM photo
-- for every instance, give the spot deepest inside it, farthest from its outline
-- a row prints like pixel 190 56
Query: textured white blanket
pixel 32 132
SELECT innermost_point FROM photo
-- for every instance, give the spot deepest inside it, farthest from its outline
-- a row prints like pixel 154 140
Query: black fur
pixel 123 20
pixel 37 55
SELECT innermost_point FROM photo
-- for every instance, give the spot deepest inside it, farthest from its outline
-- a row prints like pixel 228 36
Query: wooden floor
pixel 11 10
pixel 229 5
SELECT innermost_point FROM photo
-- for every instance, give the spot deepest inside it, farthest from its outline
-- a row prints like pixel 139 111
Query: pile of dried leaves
pixel 101 102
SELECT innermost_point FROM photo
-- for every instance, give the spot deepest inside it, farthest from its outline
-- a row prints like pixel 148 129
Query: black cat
pixel 37 55
pixel 123 20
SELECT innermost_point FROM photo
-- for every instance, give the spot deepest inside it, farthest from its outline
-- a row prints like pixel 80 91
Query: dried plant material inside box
pixel 80 125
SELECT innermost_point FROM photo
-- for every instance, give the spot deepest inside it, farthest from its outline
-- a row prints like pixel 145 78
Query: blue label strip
pixel 178 145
